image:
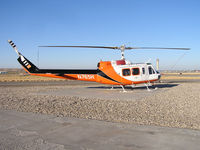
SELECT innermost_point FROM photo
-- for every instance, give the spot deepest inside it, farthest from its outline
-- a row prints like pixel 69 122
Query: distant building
pixel 3 72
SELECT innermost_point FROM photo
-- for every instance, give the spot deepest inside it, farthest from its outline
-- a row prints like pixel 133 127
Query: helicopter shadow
pixel 159 86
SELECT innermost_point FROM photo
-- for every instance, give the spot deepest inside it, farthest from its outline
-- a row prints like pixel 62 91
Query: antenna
pixel 178 60
pixel 38 56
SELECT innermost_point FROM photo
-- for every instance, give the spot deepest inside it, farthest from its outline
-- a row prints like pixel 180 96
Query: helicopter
pixel 117 72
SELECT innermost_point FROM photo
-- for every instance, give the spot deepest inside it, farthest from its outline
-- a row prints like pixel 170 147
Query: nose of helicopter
pixel 159 76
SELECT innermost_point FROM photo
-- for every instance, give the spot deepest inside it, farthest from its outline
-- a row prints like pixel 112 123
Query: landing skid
pixel 149 84
pixel 133 86
pixel 112 87
pixel 124 91
pixel 122 86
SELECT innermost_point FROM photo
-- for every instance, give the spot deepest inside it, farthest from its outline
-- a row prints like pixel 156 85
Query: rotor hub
pixel 122 48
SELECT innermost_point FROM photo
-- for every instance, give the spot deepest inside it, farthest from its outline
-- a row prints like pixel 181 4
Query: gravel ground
pixel 177 106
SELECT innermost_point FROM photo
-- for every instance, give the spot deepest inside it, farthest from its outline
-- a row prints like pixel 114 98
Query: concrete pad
pixel 19 130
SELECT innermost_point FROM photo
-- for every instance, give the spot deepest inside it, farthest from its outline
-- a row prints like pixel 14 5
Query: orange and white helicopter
pixel 119 72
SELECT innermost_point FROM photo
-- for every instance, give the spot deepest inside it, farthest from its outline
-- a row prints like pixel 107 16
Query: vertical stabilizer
pixel 30 67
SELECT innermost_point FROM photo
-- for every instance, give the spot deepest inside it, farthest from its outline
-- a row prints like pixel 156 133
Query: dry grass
pixel 183 73
pixel 21 78
pixel 180 78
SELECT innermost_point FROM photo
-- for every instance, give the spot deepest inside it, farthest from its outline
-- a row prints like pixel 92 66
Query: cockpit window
pixel 151 71
pixel 126 72
pixel 135 71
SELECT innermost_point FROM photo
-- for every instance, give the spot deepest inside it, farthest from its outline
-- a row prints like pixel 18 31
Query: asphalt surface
pixel 19 130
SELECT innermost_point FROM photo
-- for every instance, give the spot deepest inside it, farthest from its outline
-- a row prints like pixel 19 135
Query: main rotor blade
pixel 129 48
pixel 108 47
pixel 120 48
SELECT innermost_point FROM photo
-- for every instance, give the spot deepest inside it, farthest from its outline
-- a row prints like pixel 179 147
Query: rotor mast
pixel 122 49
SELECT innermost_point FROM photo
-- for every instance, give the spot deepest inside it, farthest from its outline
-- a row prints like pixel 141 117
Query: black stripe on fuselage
pixel 102 74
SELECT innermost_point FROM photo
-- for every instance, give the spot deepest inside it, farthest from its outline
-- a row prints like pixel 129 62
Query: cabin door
pixel 144 73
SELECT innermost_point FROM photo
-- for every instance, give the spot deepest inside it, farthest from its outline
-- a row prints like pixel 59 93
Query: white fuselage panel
pixel 146 71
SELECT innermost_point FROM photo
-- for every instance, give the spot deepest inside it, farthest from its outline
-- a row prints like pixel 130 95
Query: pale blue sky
pixel 166 23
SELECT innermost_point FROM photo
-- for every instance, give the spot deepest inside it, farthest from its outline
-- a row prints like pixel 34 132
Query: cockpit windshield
pixel 151 70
